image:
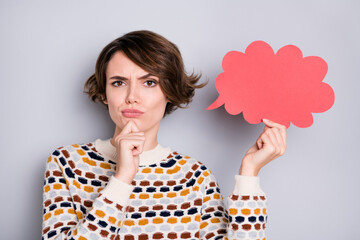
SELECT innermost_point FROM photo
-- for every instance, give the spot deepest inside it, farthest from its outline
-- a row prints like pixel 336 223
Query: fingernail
pixel 265 120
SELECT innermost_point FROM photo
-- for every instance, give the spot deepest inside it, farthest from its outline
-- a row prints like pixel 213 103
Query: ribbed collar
pixel 105 148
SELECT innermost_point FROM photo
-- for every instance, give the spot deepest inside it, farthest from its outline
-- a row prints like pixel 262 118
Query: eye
pixel 150 83
pixel 117 83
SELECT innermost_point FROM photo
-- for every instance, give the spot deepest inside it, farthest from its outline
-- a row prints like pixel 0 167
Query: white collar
pixel 106 149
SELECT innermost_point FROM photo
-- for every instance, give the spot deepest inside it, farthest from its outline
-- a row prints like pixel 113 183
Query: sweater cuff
pixel 117 191
pixel 247 185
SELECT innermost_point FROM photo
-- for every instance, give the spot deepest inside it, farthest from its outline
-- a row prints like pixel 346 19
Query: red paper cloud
pixel 282 87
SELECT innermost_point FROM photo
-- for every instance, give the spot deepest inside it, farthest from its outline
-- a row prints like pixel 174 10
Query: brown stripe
pixel 198 202
pixel 77 198
pixel 185 235
pixel 172 235
pixel 172 207
pixel 144 183
pixel 210 209
pixel 185 205
pixel 119 207
pixel 58 199
pixel 143 236
pixel 235 226
pixel 104 178
pixel 171 183
pixel 66 153
pixel 104 233
pixel 195 167
pixel 143 209
pixel 158 207
pixel 71 163
pixel 234 197
pixel 209 235
pixel 129 237
pixel 158 183
pixel 45 230
pixel 90 175
pixel 108 201
pixel 92 227
pixel 245 197
pixel 58 225
pixel 88 203
pixel 157 235
pixel 246 227
pixel 47 202
pixel 57 173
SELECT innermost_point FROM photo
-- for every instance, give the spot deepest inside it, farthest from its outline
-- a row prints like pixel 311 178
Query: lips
pixel 131 113
pixel 131 110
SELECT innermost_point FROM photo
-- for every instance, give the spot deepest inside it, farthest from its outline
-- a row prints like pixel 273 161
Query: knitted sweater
pixel 172 196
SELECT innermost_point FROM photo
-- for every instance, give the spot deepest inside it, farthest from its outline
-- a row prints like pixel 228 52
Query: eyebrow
pixel 124 78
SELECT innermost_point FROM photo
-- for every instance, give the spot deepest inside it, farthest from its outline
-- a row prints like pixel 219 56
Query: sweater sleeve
pixel 62 219
pixel 242 217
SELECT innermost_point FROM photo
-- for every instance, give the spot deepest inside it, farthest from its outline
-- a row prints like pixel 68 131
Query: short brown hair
pixel 156 55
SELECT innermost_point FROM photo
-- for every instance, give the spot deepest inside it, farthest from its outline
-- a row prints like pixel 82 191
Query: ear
pixel 104 100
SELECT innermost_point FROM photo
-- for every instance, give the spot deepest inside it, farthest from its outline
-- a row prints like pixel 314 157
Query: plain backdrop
pixel 48 49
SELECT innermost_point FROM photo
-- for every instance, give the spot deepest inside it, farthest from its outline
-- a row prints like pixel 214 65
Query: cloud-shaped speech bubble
pixel 283 87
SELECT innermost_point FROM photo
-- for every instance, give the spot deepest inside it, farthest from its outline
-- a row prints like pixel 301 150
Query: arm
pixel 244 217
pixel 62 219
pixel 247 209
pixel 245 214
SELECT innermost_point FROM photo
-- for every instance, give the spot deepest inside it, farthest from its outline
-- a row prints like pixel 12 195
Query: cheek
pixel 114 113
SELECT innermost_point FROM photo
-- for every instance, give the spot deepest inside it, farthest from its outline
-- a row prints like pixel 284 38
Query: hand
pixel 270 145
pixel 129 144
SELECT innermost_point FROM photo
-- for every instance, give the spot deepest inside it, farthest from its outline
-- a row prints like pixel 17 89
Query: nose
pixel 132 94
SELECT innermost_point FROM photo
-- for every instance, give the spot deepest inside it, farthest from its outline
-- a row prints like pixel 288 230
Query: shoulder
pixel 188 163
pixel 75 151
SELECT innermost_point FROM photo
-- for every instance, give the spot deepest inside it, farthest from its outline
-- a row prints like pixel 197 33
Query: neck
pixel 148 157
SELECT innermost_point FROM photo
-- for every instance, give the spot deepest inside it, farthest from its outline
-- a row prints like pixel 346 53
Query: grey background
pixel 49 48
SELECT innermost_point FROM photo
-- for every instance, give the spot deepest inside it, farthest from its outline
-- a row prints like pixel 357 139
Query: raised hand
pixel 129 144
pixel 270 145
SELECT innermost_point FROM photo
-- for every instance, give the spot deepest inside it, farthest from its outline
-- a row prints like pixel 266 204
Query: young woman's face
pixel 128 88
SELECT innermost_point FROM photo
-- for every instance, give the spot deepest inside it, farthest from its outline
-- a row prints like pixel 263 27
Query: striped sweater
pixel 172 196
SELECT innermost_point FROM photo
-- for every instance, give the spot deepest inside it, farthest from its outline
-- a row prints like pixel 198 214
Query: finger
pixel 134 127
pixel 273 124
pixel 122 140
pixel 134 145
pixel 281 127
pixel 270 133
pixel 259 142
pixel 280 140
pixel 283 135
pixel 268 146
pixel 131 137
pixel 139 144
pixel 127 128
pixel 134 134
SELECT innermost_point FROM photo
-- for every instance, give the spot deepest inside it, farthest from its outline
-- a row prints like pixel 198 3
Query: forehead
pixel 119 63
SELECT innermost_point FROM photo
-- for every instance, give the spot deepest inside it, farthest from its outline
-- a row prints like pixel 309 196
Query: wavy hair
pixel 156 55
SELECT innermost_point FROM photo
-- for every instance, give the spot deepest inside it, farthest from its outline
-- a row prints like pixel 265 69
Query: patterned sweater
pixel 172 196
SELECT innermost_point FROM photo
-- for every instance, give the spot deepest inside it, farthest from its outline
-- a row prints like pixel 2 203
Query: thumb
pixel 134 127
pixel 127 128
pixel 259 143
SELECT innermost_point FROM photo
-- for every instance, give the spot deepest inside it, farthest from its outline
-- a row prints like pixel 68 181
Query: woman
pixel 130 186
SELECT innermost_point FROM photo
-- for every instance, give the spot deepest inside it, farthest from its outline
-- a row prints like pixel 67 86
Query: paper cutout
pixel 282 87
